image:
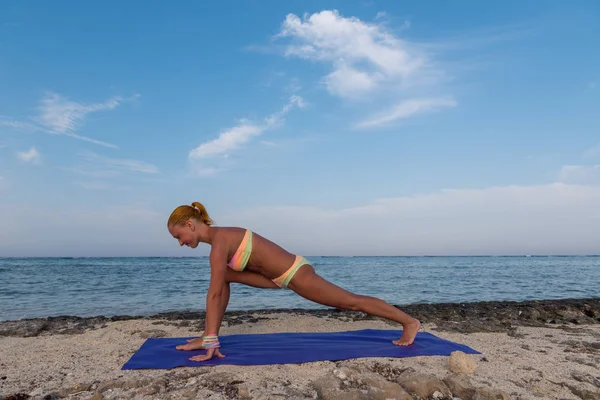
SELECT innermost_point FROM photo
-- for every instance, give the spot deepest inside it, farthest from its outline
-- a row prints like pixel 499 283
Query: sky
pixel 330 127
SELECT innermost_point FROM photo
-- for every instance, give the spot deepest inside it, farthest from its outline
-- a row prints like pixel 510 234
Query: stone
pixel 78 387
pixel 461 363
pixel 422 385
pixel 378 388
pixel 153 333
pixel 243 392
pixel 460 386
pixel 97 396
pixel 189 393
pixel 581 377
pixel 329 387
pixel 490 394
pixel 584 394
pixel 357 383
pixel 149 390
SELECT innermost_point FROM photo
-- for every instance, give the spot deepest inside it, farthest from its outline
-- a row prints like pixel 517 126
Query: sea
pixel 47 287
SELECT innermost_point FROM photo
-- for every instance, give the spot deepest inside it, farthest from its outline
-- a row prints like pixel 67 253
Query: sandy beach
pixel 530 350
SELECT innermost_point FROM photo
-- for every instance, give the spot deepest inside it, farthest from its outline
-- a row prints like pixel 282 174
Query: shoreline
pixel 467 317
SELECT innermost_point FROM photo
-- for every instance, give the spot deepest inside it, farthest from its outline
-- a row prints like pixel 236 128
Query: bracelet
pixel 210 342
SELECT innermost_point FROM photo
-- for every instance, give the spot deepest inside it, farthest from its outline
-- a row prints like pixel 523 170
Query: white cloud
pixel 580 174
pixel 23 126
pixel 405 109
pixel 544 219
pixel 110 230
pixel 233 138
pixel 363 56
pixel 111 166
pixel 61 116
pixel 30 156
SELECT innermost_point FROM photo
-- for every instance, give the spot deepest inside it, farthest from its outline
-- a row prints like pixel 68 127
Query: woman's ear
pixel 190 224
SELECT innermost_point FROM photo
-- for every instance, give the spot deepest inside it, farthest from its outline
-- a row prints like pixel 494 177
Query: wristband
pixel 210 342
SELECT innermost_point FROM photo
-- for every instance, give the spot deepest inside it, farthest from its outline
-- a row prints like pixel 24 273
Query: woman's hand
pixel 209 354
pixel 193 344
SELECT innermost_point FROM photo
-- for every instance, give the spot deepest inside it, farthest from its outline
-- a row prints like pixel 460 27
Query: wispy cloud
pixel 405 109
pixel 108 166
pixel 592 85
pixel 19 125
pixel 235 137
pixel 579 174
pixel 60 116
pixel 31 156
pixel 363 56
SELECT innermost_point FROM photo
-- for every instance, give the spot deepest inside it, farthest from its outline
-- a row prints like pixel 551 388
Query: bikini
pixel 240 259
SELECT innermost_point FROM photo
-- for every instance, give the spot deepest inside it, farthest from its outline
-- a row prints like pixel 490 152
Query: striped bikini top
pixel 242 254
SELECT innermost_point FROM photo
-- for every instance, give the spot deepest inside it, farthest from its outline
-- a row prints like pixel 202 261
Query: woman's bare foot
pixel 409 333
pixel 195 344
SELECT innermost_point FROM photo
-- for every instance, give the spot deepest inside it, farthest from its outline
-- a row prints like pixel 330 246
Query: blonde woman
pixel 242 256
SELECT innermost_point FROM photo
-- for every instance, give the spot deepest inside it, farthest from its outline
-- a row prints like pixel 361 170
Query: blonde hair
pixel 185 212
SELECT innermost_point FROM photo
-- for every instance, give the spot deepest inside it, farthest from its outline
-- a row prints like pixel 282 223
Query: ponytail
pixel 202 213
pixel 196 211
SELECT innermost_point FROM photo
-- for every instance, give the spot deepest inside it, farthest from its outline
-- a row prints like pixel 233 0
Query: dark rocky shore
pixel 493 316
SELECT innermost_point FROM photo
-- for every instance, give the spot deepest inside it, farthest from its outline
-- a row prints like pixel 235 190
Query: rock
pixel 460 386
pixel 156 333
pixel 122 384
pixel 422 385
pixel 357 383
pixel 584 394
pixel 97 396
pixel 378 388
pixel 222 382
pixel 243 392
pixel 461 363
pixel 581 377
pixel 37 392
pixel 329 387
pixel 78 387
pixel 490 394
pixel 16 396
pixel 189 393
pixel 149 390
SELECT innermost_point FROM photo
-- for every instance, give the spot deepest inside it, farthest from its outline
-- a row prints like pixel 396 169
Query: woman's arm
pixel 216 288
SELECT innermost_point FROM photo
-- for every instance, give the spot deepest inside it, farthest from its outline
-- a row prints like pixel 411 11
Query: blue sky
pixel 331 127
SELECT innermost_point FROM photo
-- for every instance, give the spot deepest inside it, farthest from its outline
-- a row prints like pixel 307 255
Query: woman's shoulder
pixel 228 233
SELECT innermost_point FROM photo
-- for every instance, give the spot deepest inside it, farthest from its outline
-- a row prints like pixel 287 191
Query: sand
pixel 552 361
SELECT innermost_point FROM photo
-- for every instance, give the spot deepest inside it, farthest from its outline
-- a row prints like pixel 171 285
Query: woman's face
pixel 185 234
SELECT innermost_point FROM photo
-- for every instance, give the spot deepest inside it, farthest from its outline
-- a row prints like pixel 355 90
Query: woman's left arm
pixel 218 265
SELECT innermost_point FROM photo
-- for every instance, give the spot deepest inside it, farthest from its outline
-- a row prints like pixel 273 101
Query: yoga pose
pixel 242 256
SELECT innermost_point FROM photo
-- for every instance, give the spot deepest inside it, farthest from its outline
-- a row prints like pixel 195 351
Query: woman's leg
pixel 249 278
pixel 311 286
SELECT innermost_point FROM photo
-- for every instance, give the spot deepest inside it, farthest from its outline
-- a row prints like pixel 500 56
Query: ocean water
pixel 42 287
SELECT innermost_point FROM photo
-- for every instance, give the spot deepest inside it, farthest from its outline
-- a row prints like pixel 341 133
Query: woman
pixel 242 256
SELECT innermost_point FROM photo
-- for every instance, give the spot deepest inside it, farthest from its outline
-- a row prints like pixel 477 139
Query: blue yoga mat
pixel 292 348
